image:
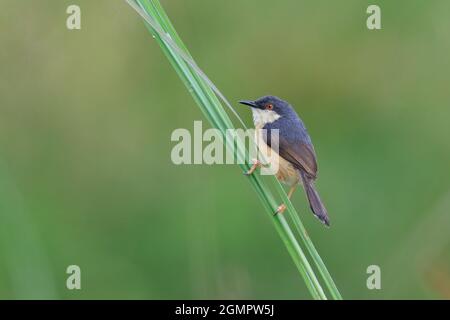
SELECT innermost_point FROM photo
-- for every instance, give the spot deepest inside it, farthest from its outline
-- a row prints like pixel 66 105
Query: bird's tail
pixel 315 203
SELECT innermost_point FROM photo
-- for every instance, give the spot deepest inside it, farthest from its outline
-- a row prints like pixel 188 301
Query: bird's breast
pixel 286 173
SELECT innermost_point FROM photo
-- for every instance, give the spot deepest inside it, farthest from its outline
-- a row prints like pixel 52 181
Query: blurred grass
pixel 82 130
pixel 25 263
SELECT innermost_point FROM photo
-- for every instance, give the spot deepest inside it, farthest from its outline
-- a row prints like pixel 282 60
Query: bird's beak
pixel 249 103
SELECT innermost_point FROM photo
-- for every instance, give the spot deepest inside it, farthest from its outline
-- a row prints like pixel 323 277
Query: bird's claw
pixel 280 209
pixel 256 164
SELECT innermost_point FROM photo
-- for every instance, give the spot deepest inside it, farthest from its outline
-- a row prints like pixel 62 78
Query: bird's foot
pixel 256 164
pixel 280 209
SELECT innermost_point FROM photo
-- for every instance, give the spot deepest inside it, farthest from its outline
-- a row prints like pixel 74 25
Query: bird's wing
pixel 298 151
pixel 300 154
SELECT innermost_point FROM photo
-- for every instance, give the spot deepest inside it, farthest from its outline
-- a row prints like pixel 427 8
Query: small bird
pixel 297 158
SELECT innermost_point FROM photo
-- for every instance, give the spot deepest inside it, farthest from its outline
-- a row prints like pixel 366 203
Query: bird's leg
pixel 256 164
pixel 282 207
pixel 291 191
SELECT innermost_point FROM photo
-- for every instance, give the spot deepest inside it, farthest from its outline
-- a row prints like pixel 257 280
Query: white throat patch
pixel 262 117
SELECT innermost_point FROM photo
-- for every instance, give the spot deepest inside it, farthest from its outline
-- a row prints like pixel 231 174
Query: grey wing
pixel 298 152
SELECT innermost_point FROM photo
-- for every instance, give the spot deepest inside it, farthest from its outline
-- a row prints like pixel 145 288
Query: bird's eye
pixel 269 106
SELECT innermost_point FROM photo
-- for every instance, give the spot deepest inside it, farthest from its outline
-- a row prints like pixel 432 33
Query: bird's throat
pixel 263 117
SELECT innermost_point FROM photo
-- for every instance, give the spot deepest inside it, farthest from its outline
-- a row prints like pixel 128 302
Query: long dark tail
pixel 315 203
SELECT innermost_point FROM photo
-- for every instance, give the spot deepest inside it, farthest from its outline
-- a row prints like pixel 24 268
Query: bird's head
pixel 268 109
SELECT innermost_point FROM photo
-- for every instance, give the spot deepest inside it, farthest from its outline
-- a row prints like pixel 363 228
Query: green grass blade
pixel 326 276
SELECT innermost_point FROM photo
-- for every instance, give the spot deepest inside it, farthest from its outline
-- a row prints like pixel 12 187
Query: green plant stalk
pixel 326 276
pixel 214 112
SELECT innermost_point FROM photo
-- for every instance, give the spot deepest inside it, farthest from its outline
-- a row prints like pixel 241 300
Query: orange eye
pixel 269 106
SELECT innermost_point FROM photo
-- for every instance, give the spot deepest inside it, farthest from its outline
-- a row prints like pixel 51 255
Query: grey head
pixel 268 109
pixel 270 112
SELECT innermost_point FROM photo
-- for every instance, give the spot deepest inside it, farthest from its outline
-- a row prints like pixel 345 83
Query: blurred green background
pixel 85 170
